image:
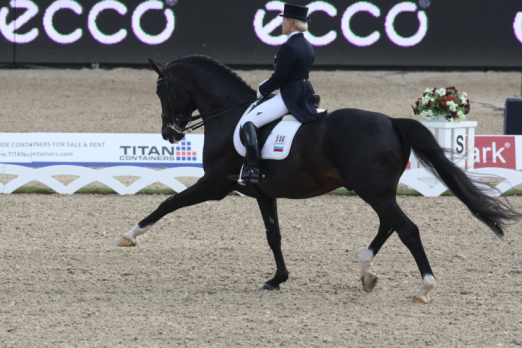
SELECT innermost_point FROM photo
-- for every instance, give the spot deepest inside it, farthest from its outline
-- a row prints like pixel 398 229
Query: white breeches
pixel 267 112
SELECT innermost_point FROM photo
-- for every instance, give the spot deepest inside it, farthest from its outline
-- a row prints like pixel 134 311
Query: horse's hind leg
pixel 408 232
pixel 368 278
pixel 268 207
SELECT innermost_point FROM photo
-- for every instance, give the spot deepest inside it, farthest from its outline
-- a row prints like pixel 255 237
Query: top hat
pixel 296 11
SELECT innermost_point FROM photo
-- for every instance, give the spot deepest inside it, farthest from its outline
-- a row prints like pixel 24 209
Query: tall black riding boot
pixel 251 173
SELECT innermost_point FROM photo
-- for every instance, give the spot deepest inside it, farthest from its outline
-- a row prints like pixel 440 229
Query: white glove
pixel 259 95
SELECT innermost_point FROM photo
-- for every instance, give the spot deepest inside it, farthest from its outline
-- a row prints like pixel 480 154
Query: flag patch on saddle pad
pixel 279 147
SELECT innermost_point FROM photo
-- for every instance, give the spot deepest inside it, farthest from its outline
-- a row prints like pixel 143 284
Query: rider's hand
pixel 259 95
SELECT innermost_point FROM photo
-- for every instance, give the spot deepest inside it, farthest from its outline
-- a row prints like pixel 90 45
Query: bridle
pixel 175 120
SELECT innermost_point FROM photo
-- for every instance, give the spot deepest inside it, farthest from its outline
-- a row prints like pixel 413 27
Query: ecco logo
pixel 517 26
pixel 263 31
pixel 8 29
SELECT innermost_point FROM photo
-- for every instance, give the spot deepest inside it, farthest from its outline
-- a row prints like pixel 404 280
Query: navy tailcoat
pixel 293 63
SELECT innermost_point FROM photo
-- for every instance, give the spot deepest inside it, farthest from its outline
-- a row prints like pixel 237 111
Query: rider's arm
pixel 285 61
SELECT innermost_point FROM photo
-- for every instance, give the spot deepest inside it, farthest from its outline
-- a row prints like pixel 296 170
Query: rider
pixel 296 95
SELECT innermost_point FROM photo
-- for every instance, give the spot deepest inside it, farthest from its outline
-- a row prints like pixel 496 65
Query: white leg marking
pixel 428 283
pixel 136 231
pixel 366 262
pixel 129 238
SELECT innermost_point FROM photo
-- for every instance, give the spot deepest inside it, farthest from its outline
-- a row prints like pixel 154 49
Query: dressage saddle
pixel 264 132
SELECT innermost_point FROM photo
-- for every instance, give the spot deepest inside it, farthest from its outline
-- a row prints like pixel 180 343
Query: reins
pixel 175 119
pixel 200 124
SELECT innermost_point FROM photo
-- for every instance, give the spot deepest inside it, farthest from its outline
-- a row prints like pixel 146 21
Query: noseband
pixel 174 119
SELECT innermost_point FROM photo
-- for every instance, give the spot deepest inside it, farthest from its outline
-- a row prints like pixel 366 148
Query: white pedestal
pixel 456 136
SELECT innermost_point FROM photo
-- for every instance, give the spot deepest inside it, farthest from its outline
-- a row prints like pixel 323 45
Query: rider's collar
pixel 293 33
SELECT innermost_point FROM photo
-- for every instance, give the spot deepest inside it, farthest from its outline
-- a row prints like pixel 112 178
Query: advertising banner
pixel 6 45
pixel 150 150
pixel 498 151
pixel 6 52
pixel 391 33
pixel 99 150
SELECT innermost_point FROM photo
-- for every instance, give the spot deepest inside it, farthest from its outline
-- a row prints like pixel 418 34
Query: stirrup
pixel 240 180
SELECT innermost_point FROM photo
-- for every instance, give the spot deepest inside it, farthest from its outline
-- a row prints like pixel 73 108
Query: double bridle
pixel 175 119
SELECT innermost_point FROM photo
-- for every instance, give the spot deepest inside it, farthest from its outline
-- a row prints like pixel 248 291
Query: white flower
pixel 432 99
pixel 424 114
pixel 429 113
pixel 452 105
pixel 463 100
pixel 465 94
pixel 428 90
pixel 461 116
pixel 441 92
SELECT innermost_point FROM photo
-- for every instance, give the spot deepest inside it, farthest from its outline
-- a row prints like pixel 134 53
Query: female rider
pixel 296 95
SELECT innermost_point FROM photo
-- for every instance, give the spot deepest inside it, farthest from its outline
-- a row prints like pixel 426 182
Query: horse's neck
pixel 207 101
pixel 211 105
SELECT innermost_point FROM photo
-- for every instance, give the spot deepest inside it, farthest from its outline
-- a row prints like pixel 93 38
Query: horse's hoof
pixel 421 299
pixel 126 242
pixel 369 281
pixel 268 287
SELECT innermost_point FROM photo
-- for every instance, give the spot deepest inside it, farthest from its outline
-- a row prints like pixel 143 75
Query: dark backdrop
pixel 462 33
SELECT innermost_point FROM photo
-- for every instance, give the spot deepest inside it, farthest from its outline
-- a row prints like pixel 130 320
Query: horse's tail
pixel 491 211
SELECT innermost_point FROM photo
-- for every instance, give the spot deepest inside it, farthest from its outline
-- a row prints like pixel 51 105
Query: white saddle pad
pixel 278 144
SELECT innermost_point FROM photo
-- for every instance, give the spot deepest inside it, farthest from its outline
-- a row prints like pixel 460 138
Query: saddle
pixel 264 132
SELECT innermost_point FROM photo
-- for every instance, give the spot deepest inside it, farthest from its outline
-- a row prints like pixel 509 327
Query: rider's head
pixel 290 25
pixel 295 18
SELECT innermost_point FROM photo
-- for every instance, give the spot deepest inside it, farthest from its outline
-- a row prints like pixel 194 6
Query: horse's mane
pixel 200 59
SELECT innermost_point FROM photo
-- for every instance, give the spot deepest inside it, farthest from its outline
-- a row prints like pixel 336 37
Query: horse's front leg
pixel 268 207
pixel 205 189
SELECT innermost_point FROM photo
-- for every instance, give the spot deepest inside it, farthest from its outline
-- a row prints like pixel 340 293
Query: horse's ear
pixel 156 68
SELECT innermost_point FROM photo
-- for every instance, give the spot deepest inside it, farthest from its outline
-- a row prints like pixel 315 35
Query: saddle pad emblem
pixel 279 144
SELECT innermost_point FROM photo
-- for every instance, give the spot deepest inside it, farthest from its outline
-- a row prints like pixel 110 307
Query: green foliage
pixel 444 104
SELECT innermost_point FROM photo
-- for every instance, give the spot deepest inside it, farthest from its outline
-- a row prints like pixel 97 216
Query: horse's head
pixel 176 104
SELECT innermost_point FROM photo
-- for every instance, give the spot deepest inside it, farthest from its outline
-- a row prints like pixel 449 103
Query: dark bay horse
pixel 363 151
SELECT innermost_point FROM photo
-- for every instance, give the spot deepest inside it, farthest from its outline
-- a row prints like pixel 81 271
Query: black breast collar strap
pixel 174 119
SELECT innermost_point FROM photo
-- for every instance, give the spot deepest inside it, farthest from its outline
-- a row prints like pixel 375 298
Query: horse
pixel 363 151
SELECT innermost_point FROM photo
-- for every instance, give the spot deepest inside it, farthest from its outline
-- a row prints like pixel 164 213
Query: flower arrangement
pixel 442 104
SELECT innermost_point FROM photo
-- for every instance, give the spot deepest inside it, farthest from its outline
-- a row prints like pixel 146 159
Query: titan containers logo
pixel 264 31
pixel 8 30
